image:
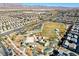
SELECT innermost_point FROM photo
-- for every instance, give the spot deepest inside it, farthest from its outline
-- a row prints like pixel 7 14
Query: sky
pixel 52 4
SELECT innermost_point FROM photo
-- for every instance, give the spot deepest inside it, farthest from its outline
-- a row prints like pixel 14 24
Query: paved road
pixel 3 50
pixel 20 29
pixel 14 30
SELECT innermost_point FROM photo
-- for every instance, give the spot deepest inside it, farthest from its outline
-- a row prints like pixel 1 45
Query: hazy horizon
pixel 52 4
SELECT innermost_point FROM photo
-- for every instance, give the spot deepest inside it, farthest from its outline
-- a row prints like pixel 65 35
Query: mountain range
pixel 20 6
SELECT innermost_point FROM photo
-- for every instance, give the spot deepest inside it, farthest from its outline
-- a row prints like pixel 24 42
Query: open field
pixel 49 29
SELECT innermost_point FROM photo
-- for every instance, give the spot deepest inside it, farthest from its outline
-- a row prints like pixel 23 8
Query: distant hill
pixel 20 6
pixel 10 6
